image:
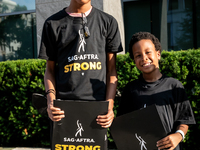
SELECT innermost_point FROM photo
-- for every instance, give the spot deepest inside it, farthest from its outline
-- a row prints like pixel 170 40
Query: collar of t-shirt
pixel 148 85
pixel 80 14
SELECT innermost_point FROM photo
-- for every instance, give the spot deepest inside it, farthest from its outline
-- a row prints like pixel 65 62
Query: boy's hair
pixel 143 35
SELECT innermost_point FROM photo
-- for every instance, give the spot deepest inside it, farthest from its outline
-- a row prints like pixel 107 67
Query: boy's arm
pixel 172 140
pixel 111 79
pixel 55 114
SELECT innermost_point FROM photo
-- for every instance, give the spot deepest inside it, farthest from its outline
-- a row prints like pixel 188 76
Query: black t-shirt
pixel 169 96
pixel 80 61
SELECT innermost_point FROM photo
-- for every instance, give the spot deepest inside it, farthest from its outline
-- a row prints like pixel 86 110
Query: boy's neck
pixel 75 7
pixel 152 77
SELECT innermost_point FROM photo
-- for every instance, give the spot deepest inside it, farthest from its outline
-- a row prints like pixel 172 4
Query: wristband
pixel 50 91
pixel 182 133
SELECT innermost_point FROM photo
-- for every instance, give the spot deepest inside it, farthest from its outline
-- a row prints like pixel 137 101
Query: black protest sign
pixel 79 129
pixel 138 130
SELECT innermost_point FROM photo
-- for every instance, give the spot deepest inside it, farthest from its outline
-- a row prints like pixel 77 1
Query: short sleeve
pixel 113 39
pixel 183 110
pixel 47 47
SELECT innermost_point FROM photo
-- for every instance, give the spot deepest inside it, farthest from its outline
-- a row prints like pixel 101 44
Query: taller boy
pixel 80 44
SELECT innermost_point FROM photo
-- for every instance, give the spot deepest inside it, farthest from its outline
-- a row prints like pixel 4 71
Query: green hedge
pixel 22 125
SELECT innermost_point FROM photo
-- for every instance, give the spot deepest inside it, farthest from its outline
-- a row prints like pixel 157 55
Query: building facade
pixel 175 22
pixel 17 29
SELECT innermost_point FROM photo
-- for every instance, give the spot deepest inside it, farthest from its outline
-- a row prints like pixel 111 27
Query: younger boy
pixel 153 87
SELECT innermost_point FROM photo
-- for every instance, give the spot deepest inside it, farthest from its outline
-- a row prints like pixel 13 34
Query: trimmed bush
pixel 22 125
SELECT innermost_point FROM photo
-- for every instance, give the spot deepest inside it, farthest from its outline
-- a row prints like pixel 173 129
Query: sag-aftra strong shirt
pixel 80 61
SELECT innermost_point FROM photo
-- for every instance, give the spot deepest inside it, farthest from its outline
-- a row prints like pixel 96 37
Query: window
pixel 11 6
pixel 17 29
pixel 180 25
pixel 17 36
pixel 173 5
pixel 197 23
pixel 133 12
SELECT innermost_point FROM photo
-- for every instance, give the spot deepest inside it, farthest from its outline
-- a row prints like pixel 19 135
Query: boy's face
pixel 145 56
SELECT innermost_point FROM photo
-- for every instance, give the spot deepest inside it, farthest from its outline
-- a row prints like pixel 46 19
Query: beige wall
pixel 114 7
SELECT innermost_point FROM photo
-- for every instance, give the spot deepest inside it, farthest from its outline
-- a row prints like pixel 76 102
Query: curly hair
pixel 143 35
